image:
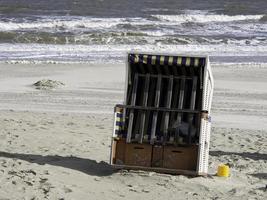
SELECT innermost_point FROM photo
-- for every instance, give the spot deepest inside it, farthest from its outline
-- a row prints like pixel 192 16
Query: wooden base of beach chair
pixel 165 159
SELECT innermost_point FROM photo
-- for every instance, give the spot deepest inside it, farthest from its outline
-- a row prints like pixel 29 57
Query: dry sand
pixel 54 144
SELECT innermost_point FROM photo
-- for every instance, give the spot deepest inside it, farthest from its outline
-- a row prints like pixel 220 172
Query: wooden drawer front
pixel 138 155
pixel 184 158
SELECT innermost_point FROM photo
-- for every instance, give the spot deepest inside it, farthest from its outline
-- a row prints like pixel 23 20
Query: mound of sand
pixel 47 84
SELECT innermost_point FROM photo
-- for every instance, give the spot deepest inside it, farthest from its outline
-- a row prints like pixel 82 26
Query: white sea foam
pixel 203 18
pixel 114 53
pixel 240 65
pixel 95 48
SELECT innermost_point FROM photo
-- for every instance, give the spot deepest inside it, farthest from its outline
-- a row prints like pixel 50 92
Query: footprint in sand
pixel 100 126
pixel 67 190
pixel 45 187
pixel 70 123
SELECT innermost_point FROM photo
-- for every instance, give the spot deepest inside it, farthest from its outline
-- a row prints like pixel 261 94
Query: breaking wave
pixel 204 18
pixel 67 23
pixel 74 23
pixel 120 38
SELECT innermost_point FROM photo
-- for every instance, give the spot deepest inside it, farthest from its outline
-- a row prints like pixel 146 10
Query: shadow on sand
pixel 260 176
pixel 87 166
pixel 253 156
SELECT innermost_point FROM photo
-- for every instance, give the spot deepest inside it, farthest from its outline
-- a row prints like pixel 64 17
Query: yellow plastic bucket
pixel 223 171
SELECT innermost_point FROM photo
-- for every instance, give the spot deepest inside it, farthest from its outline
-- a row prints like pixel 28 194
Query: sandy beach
pixel 54 144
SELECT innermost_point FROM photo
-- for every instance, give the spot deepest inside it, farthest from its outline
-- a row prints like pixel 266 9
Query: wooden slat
pixel 180 106
pixel 192 107
pixel 129 91
pixel 181 95
pixel 165 93
pixel 174 99
pixel 155 114
pixel 144 103
pixel 150 106
pixel 165 76
pixel 159 109
pixel 201 78
pixel 131 116
pixel 193 94
pixel 168 105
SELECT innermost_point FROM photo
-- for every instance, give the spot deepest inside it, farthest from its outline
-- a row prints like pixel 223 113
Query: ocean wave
pixel 130 38
pixel 61 23
pixel 76 24
pixel 204 18
pixel 57 24
pixel 88 30
pixel 69 38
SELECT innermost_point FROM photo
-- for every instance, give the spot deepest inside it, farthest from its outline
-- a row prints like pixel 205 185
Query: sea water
pixel 104 30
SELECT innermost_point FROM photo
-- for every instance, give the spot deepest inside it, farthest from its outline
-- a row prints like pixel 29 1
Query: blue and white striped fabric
pixel 167 60
pixel 119 124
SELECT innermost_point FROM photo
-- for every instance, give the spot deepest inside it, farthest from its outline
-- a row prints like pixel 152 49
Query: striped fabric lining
pixel 119 125
pixel 167 60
